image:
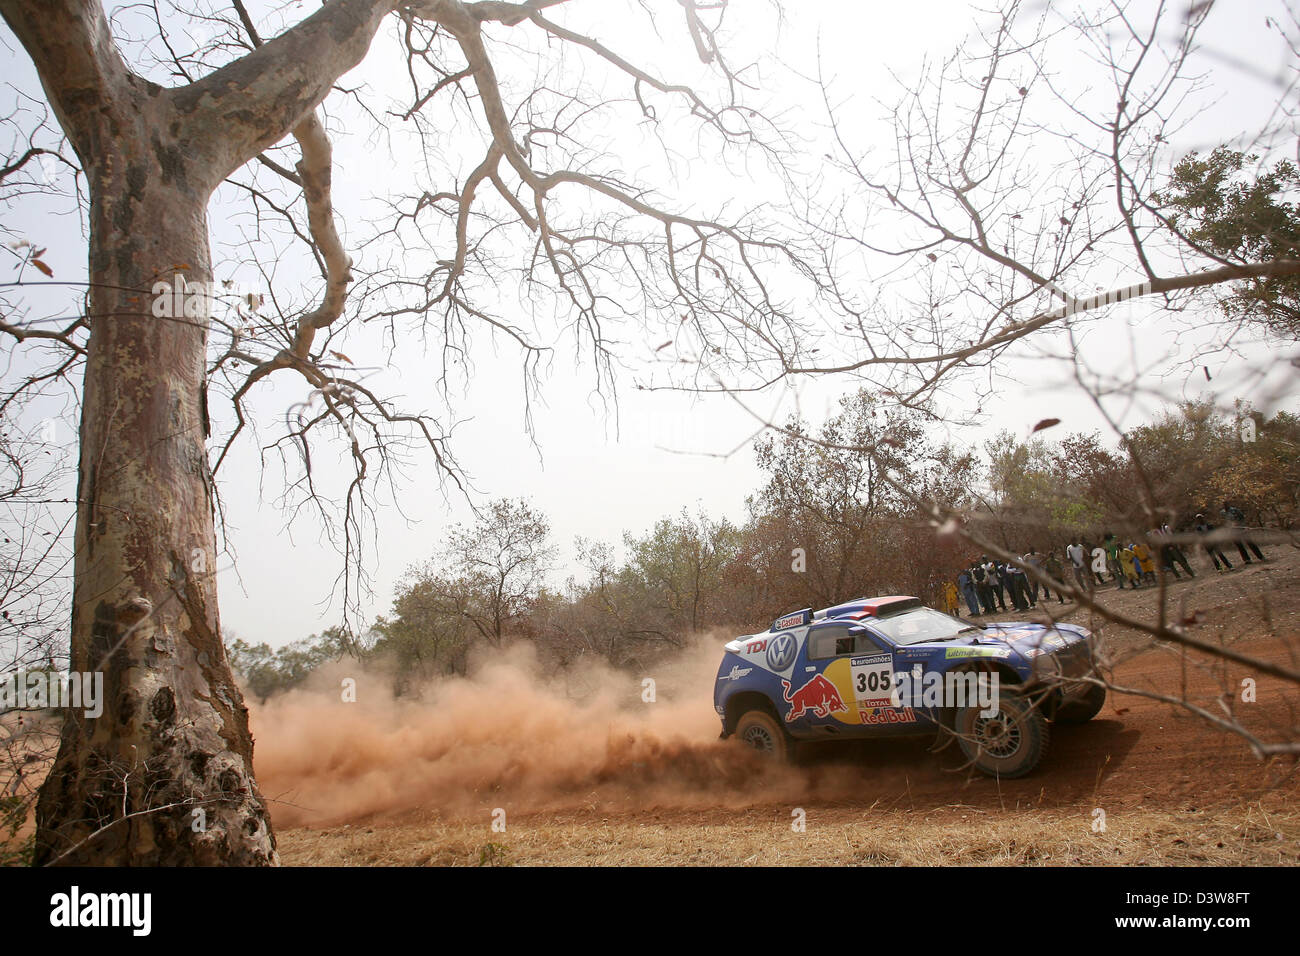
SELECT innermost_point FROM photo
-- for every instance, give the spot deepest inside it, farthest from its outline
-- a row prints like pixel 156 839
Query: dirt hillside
pixel 503 770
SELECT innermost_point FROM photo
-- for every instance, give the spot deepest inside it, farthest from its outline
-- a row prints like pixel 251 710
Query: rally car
pixel 890 666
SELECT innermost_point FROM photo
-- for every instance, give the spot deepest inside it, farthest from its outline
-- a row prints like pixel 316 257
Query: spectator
pixel 1089 574
pixel 1142 562
pixel 1129 566
pixel 1111 546
pixel 1052 566
pixel 1233 517
pixel 1017 587
pixel 1033 560
pixel 981 576
pixel 996 582
pixel 1004 585
pixel 1203 528
pixel 1079 562
pixel 1170 553
pixel 966 584
pixel 950 599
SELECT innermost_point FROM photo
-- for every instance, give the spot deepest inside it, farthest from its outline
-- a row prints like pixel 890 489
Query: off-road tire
pixel 1008 745
pixel 762 731
pixel 1083 709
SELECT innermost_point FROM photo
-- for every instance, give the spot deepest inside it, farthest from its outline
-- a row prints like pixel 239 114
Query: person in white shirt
pixel 1077 556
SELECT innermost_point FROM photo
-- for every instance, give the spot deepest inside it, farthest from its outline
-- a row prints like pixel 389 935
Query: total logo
pixel 780 652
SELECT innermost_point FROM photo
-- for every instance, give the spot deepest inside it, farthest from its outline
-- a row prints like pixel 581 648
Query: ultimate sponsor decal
pixel 818 695
pixel 954 653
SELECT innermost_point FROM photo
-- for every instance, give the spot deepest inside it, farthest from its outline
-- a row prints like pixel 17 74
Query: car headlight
pixel 1046 666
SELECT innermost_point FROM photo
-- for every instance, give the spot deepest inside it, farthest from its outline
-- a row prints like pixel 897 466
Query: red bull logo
pixel 818 695
pixel 883 715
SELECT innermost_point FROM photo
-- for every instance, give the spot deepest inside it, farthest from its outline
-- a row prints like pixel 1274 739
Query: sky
pixel 598 468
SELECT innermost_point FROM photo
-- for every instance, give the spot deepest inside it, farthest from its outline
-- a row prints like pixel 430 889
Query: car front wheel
pixel 1084 709
pixel 760 730
pixel 1010 743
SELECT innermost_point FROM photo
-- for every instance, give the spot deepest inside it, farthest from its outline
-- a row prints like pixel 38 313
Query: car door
pixel 842 680
pixel 862 666
pixel 908 710
pixel 814 700
pixel 873 672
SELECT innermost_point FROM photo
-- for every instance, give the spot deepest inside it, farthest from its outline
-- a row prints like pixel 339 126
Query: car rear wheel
pixel 1010 743
pixel 1083 709
pixel 760 730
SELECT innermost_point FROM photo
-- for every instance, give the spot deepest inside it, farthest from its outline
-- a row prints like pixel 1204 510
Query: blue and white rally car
pixel 890 666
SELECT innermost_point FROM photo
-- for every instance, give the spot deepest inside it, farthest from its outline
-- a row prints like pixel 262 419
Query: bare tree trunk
pixel 164 775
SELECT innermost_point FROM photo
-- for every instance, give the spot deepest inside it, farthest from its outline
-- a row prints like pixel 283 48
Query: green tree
pixel 675 572
pixel 1260 470
pixel 1237 217
pixel 429 631
pixel 847 498
pixel 482 587
pixel 1175 455
pixel 266 671
pixel 501 563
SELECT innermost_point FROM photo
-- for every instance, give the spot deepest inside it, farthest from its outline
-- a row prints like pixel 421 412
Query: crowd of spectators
pixel 989 586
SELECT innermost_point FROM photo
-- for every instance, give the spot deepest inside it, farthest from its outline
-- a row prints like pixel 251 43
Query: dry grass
pixel 1261 833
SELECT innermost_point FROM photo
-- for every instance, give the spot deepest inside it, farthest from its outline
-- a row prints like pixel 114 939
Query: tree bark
pixel 164 775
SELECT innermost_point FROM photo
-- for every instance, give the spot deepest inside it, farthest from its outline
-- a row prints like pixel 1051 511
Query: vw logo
pixel 780 652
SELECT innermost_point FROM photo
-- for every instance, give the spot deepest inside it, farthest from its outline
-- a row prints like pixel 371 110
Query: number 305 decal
pixel 873 680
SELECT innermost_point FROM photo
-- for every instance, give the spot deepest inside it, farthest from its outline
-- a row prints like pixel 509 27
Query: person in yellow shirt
pixel 1127 561
pixel 1143 563
pixel 950 604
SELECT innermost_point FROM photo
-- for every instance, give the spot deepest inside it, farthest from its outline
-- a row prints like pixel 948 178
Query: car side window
pixel 834 640
pixel 869 643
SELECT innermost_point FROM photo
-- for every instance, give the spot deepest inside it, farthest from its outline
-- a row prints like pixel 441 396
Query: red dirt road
pixel 1171 787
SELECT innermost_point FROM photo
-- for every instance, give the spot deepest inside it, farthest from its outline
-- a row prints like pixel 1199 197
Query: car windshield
pixel 920 625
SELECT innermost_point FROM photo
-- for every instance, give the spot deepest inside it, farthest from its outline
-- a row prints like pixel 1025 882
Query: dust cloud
pixel 505 736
